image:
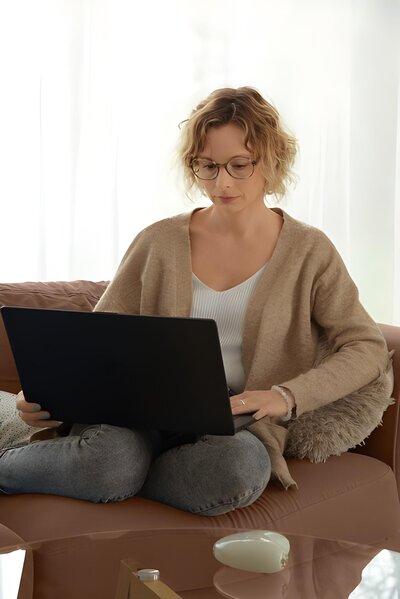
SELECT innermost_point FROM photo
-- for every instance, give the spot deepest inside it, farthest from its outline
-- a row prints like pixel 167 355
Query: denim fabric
pixel 100 463
pixel 103 463
pixel 212 476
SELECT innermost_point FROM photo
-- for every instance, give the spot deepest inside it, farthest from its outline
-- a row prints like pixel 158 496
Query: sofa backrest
pixel 59 295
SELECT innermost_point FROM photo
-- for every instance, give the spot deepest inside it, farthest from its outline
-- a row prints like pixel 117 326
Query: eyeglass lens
pixel 239 168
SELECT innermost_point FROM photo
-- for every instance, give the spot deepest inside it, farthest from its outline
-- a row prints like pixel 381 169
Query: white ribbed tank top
pixel 228 309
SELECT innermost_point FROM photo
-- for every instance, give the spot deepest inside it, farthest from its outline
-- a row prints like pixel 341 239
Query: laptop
pixel 145 372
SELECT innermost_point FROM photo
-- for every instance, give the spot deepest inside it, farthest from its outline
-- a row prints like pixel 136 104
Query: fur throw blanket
pixel 343 424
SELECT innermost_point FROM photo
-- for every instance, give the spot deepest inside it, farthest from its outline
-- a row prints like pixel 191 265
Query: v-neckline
pixel 234 287
pixel 184 298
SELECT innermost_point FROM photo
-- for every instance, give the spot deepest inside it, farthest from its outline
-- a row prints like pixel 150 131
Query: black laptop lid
pixel 146 372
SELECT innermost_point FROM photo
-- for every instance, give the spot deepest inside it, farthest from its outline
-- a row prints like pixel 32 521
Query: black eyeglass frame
pixel 225 165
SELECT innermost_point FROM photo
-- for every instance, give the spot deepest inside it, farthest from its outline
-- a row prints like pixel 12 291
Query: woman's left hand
pixel 263 403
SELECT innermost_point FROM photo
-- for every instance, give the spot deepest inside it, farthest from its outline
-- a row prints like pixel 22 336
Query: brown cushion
pixel 72 295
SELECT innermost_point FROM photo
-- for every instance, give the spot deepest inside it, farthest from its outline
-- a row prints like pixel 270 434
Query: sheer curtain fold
pixel 94 90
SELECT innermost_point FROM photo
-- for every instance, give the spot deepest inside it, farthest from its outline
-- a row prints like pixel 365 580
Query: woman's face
pixel 222 144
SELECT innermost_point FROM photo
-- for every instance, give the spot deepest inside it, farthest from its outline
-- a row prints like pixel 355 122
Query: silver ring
pixel 242 402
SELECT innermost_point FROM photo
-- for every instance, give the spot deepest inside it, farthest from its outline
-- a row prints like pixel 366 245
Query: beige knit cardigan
pixel 304 291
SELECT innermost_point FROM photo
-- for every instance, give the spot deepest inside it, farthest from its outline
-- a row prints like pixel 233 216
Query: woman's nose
pixel 223 178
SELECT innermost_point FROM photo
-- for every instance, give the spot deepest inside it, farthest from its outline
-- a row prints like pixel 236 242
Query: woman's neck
pixel 240 224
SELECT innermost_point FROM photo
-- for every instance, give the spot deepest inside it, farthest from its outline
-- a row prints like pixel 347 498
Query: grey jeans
pixel 103 463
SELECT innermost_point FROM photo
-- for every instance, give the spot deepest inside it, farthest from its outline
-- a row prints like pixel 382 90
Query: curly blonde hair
pixel 273 147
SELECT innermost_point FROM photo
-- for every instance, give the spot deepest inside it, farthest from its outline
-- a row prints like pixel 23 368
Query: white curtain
pixel 92 92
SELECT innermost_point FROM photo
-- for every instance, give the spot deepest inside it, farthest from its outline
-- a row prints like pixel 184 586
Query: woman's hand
pixel 32 414
pixel 263 403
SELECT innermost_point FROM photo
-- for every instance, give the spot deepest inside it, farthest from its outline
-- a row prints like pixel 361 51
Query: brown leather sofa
pixel 352 497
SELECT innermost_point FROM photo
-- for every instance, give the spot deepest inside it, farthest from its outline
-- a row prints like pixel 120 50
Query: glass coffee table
pixel 317 568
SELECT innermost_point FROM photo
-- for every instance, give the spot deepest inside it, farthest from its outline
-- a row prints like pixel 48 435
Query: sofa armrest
pixel 384 442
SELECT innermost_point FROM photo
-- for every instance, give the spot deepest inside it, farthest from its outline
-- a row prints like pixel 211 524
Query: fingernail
pixel 45 417
pixel 36 408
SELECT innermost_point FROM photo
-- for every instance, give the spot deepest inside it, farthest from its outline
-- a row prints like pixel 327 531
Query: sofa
pixel 354 496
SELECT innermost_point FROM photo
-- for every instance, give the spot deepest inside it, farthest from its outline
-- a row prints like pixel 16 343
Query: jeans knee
pixel 212 476
pixel 112 463
pixel 246 476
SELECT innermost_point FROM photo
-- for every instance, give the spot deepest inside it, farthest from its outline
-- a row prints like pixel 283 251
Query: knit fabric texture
pixel 13 430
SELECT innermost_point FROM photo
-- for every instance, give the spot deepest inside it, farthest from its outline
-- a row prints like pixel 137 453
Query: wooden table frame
pixel 130 587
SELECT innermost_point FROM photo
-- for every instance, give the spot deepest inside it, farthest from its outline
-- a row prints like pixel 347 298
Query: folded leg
pixel 212 476
pixel 99 463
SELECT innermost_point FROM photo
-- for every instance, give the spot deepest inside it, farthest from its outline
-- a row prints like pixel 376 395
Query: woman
pixel 274 287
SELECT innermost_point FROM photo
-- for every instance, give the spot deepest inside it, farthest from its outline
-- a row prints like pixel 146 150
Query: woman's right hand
pixel 32 414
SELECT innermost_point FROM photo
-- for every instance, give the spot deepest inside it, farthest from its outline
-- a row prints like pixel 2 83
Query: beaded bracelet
pixel 288 400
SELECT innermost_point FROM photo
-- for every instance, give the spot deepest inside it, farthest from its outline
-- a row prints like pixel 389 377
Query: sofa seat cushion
pixel 334 500
pixel 60 295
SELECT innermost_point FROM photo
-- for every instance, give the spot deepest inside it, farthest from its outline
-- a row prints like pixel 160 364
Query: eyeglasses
pixel 238 168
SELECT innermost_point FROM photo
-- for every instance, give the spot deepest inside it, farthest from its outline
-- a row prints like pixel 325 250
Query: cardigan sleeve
pixel 124 291
pixel 154 276
pixel 358 349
